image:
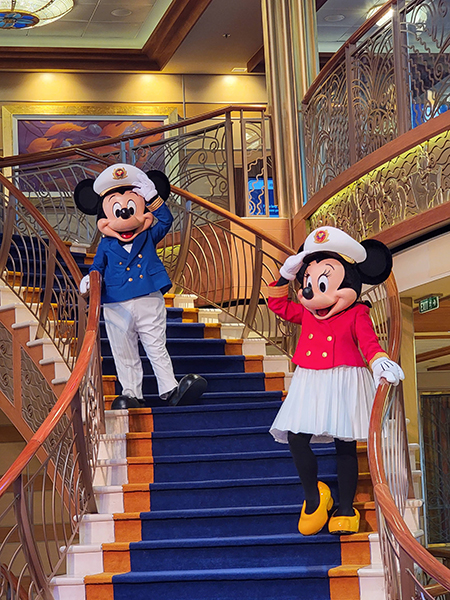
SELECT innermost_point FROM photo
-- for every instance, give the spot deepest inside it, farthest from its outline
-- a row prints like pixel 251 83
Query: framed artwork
pixel 29 128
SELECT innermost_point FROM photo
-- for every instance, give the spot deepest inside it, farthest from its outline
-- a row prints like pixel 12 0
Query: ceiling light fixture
pixel 22 14
pixel 121 12
pixel 239 70
pixel 334 18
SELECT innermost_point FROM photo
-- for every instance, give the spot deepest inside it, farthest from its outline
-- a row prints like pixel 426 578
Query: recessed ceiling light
pixel 239 70
pixel 121 12
pixel 334 18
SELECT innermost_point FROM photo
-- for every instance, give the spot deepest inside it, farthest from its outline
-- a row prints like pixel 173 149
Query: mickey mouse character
pixel 133 218
pixel 332 391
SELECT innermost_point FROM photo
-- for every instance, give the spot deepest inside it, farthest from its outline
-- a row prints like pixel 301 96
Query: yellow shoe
pixel 313 523
pixel 343 524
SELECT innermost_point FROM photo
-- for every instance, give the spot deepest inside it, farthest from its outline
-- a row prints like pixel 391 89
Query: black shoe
pixel 123 402
pixel 189 389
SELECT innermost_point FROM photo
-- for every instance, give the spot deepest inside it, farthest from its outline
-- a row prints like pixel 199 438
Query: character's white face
pixel 324 298
pixel 125 216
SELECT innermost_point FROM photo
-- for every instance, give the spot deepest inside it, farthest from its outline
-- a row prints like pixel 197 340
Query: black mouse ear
pixel 86 199
pixel 378 264
pixel 300 249
pixel 161 182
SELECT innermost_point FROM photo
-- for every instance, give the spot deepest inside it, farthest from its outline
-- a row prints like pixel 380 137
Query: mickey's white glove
pixel 292 265
pixel 145 187
pixel 391 371
pixel 84 284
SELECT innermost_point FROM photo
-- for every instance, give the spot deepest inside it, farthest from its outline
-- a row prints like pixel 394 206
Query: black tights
pixel 306 464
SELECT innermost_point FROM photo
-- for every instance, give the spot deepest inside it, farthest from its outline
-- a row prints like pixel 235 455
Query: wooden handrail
pixel 33 211
pixel 71 388
pixel 59 153
pixel 340 54
pixel 385 501
pixel 222 212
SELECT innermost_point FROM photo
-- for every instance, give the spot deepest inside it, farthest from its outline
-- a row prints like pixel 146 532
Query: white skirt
pixel 328 403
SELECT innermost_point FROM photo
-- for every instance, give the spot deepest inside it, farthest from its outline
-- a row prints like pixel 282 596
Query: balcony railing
pixel 392 75
pixel 223 156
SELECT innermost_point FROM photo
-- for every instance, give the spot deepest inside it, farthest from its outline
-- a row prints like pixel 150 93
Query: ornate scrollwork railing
pixel 49 487
pixel 222 156
pixel 227 263
pixel 41 506
pixel 410 570
pixel 41 272
pixel 392 75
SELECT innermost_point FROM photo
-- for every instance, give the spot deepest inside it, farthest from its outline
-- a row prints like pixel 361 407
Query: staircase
pixel 200 501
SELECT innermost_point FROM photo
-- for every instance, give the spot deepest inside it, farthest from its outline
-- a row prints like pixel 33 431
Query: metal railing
pixel 208 251
pixel 223 156
pixel 392 75
pixel 41 506
pixel 228 264
pixel 410 570
pixel 38 269
pixel 46 491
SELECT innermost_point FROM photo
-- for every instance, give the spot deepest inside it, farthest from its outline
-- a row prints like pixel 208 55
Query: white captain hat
pixel 116 176
pixel 330 239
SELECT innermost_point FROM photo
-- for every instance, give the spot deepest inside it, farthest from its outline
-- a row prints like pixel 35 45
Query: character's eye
pixel 116 209
pixel 131 207
pixel 323 283
pixel 308 281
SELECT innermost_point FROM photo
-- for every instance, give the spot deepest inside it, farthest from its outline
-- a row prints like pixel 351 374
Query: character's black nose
pixel 308 294
pixel 125 213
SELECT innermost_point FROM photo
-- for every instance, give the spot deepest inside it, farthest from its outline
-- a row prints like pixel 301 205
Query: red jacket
pixel 332 342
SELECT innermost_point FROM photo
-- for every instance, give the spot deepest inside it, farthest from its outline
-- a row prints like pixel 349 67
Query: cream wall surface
pixel 189 94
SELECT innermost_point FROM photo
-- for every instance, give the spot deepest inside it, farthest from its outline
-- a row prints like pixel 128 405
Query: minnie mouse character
pixel 332 390
pixel 133 218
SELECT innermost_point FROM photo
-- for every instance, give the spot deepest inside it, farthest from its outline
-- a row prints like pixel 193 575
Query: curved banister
pixel 378 432
pixel 340 54
pixel 383 495
pixel 59 153
pixel 70 389
pixel 226 214
pixel 32 210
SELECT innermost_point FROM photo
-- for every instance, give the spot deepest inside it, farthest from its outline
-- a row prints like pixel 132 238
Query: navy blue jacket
pixel 128 275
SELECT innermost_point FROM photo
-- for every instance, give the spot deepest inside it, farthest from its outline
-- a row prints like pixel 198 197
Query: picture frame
pixel 59 124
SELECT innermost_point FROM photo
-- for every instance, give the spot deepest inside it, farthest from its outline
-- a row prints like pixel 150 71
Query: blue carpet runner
pixel 226 497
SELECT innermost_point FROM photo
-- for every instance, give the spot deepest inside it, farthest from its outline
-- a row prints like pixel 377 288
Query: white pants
pixel 126 322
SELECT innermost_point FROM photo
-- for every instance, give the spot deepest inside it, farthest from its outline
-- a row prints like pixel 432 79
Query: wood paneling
pixel 432 354
pixel 435 320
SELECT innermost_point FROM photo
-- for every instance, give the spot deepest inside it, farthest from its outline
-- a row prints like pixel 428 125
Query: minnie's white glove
pixel 84 284
pixel 291 266
pixel 145 187
pixel 387 368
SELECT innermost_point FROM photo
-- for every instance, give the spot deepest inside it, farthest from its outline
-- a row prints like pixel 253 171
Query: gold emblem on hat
pixel 321 236
pixel 119 173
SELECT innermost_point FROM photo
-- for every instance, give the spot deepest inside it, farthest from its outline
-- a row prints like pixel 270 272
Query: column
pixel 291 58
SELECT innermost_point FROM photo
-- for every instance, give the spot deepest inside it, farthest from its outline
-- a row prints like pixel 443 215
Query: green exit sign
pixel 427 304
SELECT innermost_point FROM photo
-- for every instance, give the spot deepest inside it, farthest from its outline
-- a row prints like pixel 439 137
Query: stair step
pixel 230 493
pixel 221 584
pixel 182 365
pixel 181 347
pixel 217 382
pixel 223 553
pixel 207 417
pixel 212 398
pixel 207 441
